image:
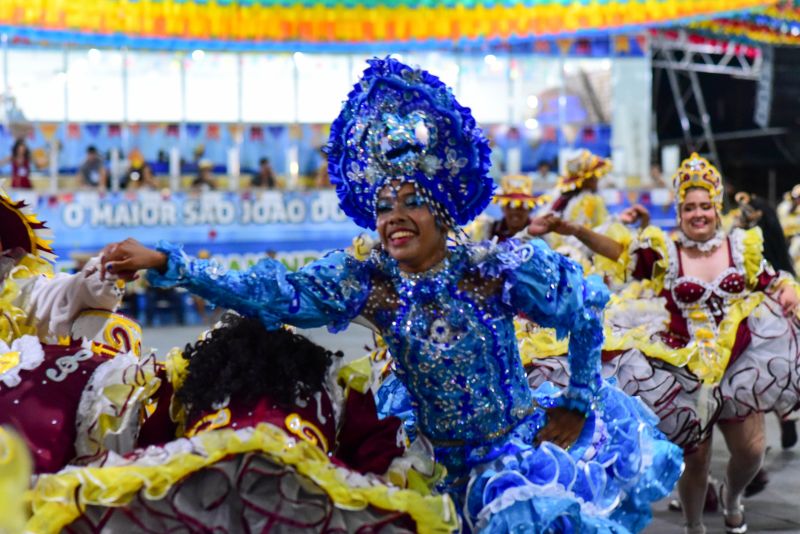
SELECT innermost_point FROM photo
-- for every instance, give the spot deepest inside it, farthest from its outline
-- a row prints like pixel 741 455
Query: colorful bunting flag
pixel 249 25
pixel 256 133
pixel 94 129
pixel 48 130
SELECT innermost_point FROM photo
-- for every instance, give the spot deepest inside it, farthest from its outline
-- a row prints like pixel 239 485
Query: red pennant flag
pixel 256 133
pixel 564 45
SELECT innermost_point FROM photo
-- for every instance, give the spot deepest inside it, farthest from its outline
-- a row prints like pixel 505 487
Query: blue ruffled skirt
pixel 605 482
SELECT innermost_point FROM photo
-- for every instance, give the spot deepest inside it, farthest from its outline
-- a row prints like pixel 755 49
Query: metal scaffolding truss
pixel 681 60
pixel 676 51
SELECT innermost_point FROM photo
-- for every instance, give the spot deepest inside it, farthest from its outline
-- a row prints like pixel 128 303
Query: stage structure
pixel 762 45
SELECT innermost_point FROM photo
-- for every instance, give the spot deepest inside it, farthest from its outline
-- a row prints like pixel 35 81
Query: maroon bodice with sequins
pixel 43 407
pixel 687 291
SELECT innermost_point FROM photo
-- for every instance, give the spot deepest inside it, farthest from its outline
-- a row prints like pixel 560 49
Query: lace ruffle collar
pixel 703 246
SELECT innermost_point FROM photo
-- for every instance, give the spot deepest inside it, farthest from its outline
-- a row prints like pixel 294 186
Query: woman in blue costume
pixel 407 159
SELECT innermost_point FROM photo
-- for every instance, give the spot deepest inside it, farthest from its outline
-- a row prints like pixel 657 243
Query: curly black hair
pixel 243 360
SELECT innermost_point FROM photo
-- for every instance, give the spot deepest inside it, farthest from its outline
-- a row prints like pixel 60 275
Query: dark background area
pixel 746 163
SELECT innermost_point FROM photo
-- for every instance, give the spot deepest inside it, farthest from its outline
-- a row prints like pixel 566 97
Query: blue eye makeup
pixel 414 201
pixel 384 205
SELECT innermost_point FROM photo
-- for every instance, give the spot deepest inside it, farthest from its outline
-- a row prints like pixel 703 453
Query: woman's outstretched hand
pixel 563 427
pixel 541 225
pixel 636 213
pixel 126 257
pixel 551 222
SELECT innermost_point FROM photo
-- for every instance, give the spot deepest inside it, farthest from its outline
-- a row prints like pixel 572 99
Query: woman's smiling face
pixel 698 215
pixel 408 230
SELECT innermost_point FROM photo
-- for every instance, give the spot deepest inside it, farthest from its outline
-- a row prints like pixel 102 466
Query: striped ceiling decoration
pixel 778 25
pixel 341 24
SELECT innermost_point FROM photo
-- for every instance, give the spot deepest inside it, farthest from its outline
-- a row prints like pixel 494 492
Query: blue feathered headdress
pixel 404 124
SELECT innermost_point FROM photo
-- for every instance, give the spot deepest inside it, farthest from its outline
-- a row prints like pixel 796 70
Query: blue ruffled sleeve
pixel 330 291
pixel 552 291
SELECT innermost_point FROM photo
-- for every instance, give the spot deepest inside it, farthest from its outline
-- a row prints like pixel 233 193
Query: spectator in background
pixel 265 177
pixel 92 171
pixel 755 211
pixel 657 176
pixel 20 165
pixel 205 178
pixel 139 174
pixel 517 200
pixel 544 173
pixel 789 216
pixel 198 152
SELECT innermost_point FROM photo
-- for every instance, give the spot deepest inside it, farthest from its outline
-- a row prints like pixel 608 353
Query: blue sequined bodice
pixel 455 349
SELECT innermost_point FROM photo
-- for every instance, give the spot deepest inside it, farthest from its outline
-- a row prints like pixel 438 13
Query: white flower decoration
pixel 454 164
pixel 431 165
pixel 25 353
pixel 355 173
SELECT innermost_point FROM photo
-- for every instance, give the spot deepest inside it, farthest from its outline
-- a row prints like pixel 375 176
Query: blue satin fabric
pixel 605 483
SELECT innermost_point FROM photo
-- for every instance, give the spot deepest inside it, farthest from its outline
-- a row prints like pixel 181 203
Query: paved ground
pixel 776 510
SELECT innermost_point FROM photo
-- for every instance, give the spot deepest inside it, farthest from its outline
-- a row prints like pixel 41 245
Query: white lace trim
pixel 123 369
pixel 418 456
pixel 647 314
pixel 703 246
pixel 335 391
pixel 673 266
pixel 31 356
pixel 736 242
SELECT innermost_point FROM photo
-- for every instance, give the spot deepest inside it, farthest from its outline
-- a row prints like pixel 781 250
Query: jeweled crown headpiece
pixel 697 171
pixel 20 228
pixel 403 124
pixel 581 168
pixel 517 191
